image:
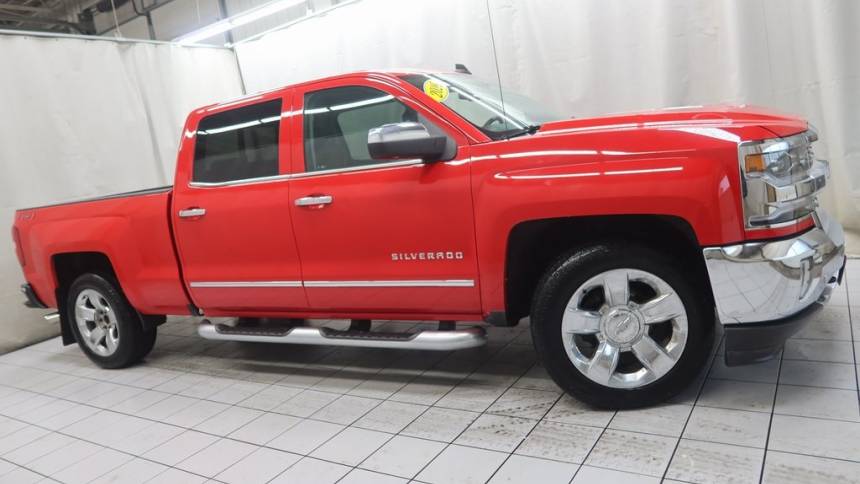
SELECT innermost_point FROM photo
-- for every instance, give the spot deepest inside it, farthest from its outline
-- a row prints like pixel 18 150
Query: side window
pixel 238 144
pixel 336 122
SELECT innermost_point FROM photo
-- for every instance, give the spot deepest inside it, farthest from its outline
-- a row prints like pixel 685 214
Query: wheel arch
pixel 532 246
pixel 68 266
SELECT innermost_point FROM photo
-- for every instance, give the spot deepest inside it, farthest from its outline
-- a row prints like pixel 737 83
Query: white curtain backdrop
pixel 589 57
pixel 90 117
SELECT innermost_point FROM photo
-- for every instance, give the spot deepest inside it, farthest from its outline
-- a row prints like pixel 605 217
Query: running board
pixel 422 340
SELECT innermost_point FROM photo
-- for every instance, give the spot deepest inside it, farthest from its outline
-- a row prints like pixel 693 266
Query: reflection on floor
pixel 248 413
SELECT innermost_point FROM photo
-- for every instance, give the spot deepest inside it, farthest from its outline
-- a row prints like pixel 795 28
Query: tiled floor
pixel 201 411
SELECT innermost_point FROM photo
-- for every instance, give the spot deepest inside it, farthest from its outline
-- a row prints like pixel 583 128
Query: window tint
pixel 238 144
pixel 336 122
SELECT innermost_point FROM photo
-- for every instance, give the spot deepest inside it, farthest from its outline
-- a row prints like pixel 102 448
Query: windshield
pixel 479 103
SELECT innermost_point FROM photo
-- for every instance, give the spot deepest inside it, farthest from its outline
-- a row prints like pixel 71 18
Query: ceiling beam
pixel 24 8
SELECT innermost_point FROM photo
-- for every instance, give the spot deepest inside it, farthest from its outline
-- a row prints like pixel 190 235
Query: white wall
pixel 588 57
pixel 90 118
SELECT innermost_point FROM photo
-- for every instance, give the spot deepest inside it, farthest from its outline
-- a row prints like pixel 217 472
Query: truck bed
pixel 132 230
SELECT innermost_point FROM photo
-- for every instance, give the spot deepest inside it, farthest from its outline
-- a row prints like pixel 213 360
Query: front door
pixel 379 236
pixel 232 214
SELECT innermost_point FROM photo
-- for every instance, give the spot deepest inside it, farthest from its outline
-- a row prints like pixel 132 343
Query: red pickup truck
pixel 429 196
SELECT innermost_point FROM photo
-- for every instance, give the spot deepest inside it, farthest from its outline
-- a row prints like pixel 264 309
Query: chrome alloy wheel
pixel 624 328
pixel 96 322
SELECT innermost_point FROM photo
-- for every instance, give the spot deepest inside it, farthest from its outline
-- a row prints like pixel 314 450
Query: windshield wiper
pixel 532 129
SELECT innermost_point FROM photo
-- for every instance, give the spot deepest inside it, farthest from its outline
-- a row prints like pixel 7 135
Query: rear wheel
pixel 620 327
pixel 107 328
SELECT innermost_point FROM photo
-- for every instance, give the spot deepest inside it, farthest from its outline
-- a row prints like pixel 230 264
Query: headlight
pixel 781 179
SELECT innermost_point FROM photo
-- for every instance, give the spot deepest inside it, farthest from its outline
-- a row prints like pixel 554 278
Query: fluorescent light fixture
pixel 237 20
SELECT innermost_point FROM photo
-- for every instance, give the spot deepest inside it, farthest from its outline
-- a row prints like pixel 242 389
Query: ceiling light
pixel 237 20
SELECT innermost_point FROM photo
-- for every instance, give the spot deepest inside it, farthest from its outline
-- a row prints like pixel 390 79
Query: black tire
pixel 570 273
pixel 132 342
pixel 147 343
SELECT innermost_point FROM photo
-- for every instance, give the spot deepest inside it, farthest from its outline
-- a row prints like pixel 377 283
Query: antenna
pixel 496 59
pixel 462 69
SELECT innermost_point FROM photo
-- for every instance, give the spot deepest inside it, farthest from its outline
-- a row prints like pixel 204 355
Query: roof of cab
pixel 387 73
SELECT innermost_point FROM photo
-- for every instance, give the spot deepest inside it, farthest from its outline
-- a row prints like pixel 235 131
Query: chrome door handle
pixel 314 200
pixel 192 212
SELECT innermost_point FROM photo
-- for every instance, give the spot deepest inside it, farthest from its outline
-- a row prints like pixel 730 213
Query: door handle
pixel 314 200
pixel 192 212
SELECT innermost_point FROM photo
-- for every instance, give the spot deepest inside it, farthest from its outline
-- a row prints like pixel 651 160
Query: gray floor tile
pixel 661 419
pixel 818 374
pixel 464 465
pixel 765 372
pixel 305 436
pixel 443 424
pixel 403 456
pixel 817 402
pixel 346 409
pixel 92 467
pixel 559 441
pixel 735 427
pixel 258 467
pixel 520 469
pixel 525 403
pixel 228 421
pixel 598 475
pixel 813 436
pixel 573 411
pixel 306 403
pixel 632 452
pixel 264 428
pixel 819 350
pixel 708 462
pixel 783 468
pixel 180 447
pixel 214 459
pixel 738 395
pixel 176 476
pixel 496 432
pixel 312 471
pixel 351 446
pixel 270 397
pixel 361 476
pixel 133 471
pixel 391 417
pixel 471 396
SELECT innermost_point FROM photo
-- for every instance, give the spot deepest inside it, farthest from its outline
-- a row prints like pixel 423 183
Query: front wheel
pixel 107 328
pixel 620 327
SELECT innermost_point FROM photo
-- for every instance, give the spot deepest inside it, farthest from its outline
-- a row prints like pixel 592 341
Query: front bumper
pixel 759 286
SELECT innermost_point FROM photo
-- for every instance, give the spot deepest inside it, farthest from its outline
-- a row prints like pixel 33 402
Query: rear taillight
pixel 781 179
pixel 19 251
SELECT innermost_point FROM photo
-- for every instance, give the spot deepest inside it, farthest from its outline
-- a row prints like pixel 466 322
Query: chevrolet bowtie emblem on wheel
pixel 439 255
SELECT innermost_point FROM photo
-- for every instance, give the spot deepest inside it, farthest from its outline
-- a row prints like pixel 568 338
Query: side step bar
pixel 422 340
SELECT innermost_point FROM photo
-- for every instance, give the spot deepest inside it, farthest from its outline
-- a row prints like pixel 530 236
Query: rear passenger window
pixel 239 144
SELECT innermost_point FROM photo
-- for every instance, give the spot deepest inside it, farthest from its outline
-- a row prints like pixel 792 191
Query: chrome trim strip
pixel 395 164
pixel 422 340
pixel 277 178
pixel 244 181
pixel 412 283
pixel 247 284
pixel 408 283
pixel 135 193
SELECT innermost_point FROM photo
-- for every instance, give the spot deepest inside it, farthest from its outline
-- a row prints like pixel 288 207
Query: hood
pixel 722 115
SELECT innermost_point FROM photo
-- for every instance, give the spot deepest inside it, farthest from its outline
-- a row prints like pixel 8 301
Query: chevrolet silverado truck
pixel 421 196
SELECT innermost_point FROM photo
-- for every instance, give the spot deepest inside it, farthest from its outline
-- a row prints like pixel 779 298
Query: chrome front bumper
pixel 765 281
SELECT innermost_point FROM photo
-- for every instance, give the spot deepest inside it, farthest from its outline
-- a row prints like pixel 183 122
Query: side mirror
pixel 404 141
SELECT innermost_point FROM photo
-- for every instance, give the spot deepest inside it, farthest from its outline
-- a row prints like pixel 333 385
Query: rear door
pixel 386 236
pixel 231 212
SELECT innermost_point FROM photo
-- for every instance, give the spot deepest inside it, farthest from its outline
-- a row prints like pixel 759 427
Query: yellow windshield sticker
pixel 436 90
